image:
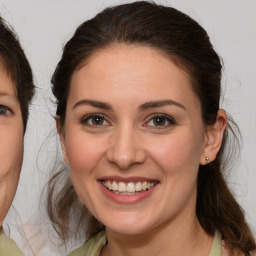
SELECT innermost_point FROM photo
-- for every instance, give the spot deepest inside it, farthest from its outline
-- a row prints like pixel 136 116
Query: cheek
pixel 178 157
pixel 83 152
pixel 11 152
pixel 178 153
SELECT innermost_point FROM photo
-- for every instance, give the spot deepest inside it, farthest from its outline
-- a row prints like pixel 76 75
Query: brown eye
pixel 97 120
pixel 160 121
pixel 94 120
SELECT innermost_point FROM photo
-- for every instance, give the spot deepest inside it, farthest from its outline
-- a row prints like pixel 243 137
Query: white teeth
pixel 138 186
pixel 109 185
pixel 129 188
pixel 114 186
pixel 121 187
pixel 144 185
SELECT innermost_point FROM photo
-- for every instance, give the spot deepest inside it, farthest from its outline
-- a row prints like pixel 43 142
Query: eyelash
pixel 4 111
pixel 85 120
pixel 89 119
pixel 170 120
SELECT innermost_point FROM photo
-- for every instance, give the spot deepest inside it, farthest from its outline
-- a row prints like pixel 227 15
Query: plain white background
pixel 44 26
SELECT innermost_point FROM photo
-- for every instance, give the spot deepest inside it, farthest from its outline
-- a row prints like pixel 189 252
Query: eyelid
pixel 6 109
pixel 170 119
pixel 91 115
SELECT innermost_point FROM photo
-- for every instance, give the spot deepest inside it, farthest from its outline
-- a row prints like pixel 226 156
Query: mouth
pixel 128 188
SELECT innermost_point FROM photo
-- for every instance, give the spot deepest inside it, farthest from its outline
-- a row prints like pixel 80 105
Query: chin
pixel 128 227
pixel 130 231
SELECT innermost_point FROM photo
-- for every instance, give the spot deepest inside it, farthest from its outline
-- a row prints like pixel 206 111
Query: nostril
pixel 124 150
pixel 126 159
pixel 141 155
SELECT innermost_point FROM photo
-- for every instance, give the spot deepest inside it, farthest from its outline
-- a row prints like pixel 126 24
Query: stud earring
pixel 207 160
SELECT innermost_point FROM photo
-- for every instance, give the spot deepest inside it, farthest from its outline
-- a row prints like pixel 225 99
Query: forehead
pixel 134 67
pixel 7 86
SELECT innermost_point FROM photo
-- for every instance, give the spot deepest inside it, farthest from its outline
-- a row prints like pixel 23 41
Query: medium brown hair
pixel 186 43
pixel 17 66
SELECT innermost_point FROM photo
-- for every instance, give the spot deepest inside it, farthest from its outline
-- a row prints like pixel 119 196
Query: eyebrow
pixel 4 94
pixel 145 106
pixel 160 103
pixel 7 95
pixel 94 103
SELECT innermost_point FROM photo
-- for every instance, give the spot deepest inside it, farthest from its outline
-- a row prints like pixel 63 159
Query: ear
pixel 61 133
pixel 213 138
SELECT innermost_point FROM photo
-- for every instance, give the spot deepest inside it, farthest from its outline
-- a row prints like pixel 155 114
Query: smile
pixel 130 188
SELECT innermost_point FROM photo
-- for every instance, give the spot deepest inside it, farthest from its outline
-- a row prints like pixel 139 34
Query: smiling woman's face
pixel 134 138
pixel 11 142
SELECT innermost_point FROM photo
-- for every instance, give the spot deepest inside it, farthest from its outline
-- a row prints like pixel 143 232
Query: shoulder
pixel 225 252
pixel 8 246
pixel 92 247
pixel 219 247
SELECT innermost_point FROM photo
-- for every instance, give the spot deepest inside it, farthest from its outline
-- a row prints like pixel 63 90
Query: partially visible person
pixel 16 92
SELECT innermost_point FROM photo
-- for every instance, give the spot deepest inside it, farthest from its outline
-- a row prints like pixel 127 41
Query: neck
pixel 174 238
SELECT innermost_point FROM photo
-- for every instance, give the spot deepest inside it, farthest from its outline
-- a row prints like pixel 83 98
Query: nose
pixel 126 148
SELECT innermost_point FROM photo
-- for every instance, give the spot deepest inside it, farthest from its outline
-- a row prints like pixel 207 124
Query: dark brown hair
pixel 186 43
pixel 17 66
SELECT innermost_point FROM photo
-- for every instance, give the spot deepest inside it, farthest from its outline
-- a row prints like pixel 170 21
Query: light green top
pixel 94 246
pixel 8 246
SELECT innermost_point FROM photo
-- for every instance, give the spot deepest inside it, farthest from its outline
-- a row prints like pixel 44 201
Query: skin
pixel 11 137
pixel 128 143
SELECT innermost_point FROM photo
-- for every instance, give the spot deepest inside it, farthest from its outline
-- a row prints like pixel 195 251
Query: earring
pixel 207 160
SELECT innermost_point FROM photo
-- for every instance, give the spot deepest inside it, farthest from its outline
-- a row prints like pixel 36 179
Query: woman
pixel 138 90
pixel 16 92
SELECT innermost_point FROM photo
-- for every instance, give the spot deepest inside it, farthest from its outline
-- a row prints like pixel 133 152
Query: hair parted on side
pixel 13 58
pixel 187 44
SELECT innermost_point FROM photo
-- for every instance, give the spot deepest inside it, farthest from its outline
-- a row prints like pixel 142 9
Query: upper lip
pixel 127 179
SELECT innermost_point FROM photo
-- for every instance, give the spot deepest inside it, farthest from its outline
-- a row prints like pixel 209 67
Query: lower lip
pixel 127 199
